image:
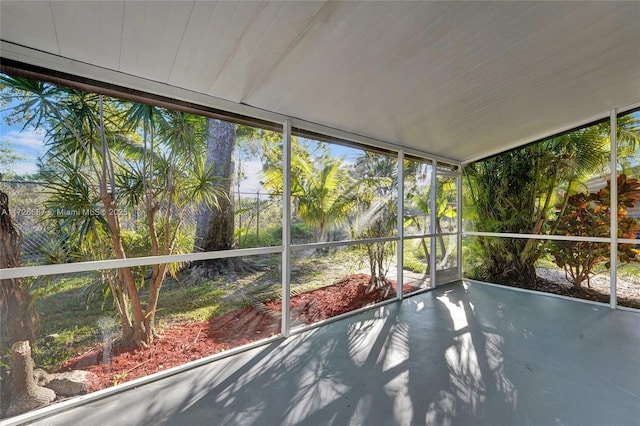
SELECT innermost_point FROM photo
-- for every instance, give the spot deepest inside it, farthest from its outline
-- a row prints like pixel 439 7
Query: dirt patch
pixel 553 281
pixel 182 342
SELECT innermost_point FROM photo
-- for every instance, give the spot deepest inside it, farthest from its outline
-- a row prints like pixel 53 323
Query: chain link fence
pixel 27 209
pixel 257 219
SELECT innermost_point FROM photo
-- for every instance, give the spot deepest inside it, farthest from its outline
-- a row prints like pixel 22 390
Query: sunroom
pixel 319 212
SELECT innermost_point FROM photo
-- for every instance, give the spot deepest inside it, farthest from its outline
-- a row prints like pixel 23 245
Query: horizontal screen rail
pixel 65 268
pixel 538 237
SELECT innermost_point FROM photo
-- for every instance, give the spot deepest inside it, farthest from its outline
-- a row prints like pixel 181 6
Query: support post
pixel 459 218
pixel 432 225
pixel 400 217
pixel 286 230
pixel 614 209
pixel 257 216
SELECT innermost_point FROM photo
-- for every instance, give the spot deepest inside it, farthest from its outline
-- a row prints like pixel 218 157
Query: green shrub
pixel 589 215
pixel 415 259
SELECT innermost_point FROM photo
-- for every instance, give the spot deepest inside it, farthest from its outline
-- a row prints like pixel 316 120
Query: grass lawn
pixel 76 313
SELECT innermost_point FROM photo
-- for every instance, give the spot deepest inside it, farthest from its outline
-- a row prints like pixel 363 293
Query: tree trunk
pixel 26 395
pixel 376 253
pixel 120 300
pixel 136 333
pixel 159 273
pixel 18 318
pixel 215 226
pixel 443 247
pixel 427 271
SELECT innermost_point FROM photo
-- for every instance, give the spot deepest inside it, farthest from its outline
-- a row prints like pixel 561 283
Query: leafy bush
pixel 588 215
pixel 301 231
pixel 249 238
pixel 415 261
pixel 272 236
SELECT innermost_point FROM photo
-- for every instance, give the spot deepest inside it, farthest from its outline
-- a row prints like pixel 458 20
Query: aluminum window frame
pixel 94 79
pixel 612 239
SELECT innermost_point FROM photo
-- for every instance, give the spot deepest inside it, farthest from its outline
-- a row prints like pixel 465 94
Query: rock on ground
pixel 70 383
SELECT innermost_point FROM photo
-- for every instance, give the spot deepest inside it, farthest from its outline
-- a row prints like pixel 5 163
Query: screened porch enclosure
pixel 319 212
pixel 321 256
pixel 220 235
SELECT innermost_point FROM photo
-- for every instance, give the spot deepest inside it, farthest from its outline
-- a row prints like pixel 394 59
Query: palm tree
pixel 376 198
pixel 322 190
pixel 108 157
pixel 515 192
pixel 323 198
pixel 421 199
pixel 171 174
pixel 215 228
pixel 628 137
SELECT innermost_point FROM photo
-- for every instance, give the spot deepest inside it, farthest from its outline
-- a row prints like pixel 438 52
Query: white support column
pixel 459 211
pixel 432 225
pixel 286 229
pixel 614 209
pixel 400 219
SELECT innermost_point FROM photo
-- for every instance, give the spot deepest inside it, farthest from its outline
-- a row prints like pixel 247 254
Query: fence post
pixel 257 216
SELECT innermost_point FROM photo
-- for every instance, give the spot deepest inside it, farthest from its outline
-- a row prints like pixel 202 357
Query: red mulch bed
pixel 179 343
pixel 188 341
pixel 347 295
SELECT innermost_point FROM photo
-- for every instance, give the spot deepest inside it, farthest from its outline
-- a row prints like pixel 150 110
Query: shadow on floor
pixel 457 355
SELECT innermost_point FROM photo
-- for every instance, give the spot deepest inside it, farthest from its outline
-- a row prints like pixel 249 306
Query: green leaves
pixel 36 100
pixel 585 214
pixel 515 192
pixel 322 195
pixel 203 185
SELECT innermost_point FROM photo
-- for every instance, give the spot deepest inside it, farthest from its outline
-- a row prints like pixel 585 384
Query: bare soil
pixel 186 341
pixel 552 280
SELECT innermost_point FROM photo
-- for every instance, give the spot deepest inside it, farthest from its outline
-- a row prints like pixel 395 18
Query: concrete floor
pixel 464 354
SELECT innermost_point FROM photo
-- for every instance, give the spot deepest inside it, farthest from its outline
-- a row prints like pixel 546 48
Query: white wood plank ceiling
pixel 457 79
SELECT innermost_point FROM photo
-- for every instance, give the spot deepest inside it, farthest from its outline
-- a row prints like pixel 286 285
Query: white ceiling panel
pixel 457 79
pixel 29 23
pixel 81 28
pixel 198 57
pixel 152 32
pixel 244 61
pixel 273 32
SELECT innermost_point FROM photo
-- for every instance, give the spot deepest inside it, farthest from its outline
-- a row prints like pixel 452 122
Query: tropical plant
pixel 445 203
pixel 515 192
pixel 585 214
pixel 628 137
pixel 107 160
pixel 376 210
pixel 322 191
pixel 323 198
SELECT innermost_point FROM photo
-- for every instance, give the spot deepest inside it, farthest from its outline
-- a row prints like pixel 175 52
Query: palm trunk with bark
pixel 18 317
pixel 215 224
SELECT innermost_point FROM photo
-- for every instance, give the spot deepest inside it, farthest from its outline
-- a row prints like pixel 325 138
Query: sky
pixel 29 145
